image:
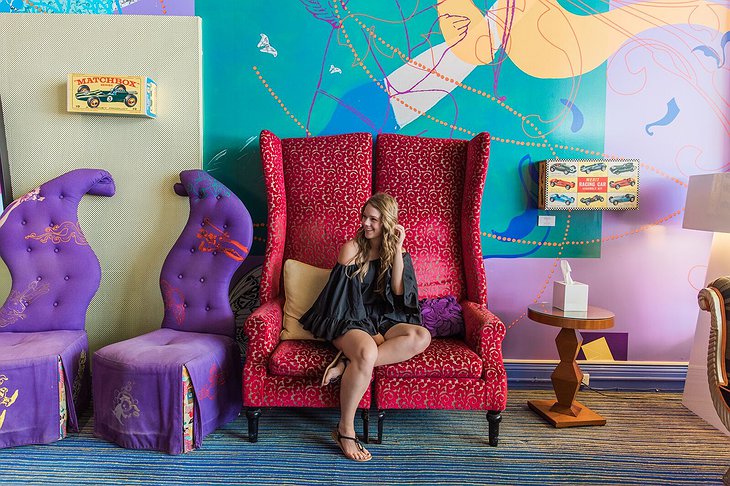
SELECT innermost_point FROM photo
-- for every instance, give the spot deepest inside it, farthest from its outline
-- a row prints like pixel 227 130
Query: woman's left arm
pixel 396 277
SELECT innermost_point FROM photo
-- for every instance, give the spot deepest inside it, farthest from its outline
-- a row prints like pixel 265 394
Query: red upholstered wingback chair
pixel 315 188
pixel 438 184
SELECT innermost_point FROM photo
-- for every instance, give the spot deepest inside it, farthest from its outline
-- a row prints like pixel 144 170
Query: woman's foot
pixel 351 447
pixel 334 371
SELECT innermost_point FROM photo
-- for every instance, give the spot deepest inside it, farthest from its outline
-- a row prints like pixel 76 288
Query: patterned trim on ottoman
pixel 188 399
pixel 62 410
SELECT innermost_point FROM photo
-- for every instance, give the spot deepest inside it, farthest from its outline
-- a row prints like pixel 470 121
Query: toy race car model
pixel 588 200
pixel 623 182
pixel 593 167
pixel 560 182
pixel 564 168
pixel 568 200
pixel 621 168
pixel 118 93
pixel 621 199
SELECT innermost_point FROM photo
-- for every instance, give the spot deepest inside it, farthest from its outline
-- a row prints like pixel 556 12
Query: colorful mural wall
pixel 584 80
pixel 129 7
pixel 569 79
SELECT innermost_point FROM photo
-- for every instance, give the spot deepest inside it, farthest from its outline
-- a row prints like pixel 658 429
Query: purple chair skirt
pixel 138 403
pixel 29 414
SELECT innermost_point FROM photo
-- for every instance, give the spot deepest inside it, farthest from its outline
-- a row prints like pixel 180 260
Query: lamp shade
pixel 708 203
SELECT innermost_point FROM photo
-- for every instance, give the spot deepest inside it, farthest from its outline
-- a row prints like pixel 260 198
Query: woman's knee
pixel 418 338
pixel 366 354
pixel 421 339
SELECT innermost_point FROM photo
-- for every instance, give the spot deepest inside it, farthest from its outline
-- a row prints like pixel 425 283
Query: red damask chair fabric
pixel 315 188
pixel 438 184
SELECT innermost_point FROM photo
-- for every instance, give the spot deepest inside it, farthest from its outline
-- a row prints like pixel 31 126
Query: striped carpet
pixel 650 439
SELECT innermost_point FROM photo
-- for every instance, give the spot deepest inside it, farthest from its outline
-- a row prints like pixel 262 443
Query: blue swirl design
pixel 578 119
pixel 672 112
pixel 709 52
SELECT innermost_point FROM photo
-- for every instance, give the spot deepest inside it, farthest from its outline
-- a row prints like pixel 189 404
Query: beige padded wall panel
pixel 131 232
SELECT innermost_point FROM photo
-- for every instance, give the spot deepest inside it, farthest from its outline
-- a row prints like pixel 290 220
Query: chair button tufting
pixel 24 222
pixel 55 250
pixel 207 307
pixel 202 279
pixel 185 304
pixel 202 224
pixel 214 252
pixel 179 276
pixel 60 196
pixel 66 277
pixel 28 250
pixel 218 196
pixel 38 278
pixel 55 304
pixel 192 250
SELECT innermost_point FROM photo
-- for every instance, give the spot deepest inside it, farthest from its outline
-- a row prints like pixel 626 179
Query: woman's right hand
pixel 400 233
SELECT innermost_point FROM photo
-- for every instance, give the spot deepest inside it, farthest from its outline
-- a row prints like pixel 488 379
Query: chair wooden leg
pixel 494 417
pixel 253 415
pixel 365 414
pixel 381 418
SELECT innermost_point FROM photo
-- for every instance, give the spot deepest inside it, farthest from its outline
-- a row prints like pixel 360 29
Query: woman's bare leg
pixel 336 371
pixel 402 341
pixel 361 351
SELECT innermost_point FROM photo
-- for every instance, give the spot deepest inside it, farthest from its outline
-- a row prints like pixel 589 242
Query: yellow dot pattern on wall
pixel 278 100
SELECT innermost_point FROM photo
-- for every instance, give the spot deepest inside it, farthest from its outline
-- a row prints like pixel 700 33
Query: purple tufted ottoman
pixel 166 390
pixel 43 344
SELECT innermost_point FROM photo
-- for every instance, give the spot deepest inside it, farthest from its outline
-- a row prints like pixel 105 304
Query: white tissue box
pixel 573 297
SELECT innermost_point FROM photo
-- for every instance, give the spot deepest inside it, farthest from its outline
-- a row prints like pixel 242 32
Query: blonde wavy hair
pixel 388 208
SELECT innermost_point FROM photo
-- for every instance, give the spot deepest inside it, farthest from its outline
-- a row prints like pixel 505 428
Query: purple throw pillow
pixel 442 316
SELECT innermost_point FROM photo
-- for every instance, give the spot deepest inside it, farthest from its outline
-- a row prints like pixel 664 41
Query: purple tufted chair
pixel 43 344
pixel 167 389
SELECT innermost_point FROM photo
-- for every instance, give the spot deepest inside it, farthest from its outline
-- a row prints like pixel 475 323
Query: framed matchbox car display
pixel 589 184
pixel 112 94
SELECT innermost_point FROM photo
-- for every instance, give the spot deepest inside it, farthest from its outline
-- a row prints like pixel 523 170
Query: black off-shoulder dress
pixel 348 303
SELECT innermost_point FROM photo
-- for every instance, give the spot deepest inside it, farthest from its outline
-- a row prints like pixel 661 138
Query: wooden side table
pixel 567 377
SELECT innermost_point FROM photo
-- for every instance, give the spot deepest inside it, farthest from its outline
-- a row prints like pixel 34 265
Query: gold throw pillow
pixel 302 285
